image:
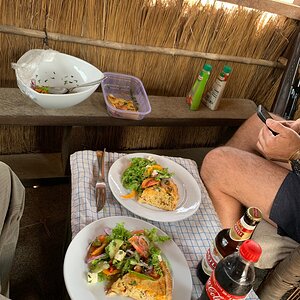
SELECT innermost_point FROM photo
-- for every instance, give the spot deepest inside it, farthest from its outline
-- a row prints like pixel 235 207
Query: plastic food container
pixel 128 88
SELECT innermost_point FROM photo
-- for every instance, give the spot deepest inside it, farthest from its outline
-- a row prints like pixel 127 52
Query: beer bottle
pixel 234 275
pixel 227 241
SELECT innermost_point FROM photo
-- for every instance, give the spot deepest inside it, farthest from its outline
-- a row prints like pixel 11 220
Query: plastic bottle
pixel 227 241
pixel 195 95
pixel 234 275
pixel 213 97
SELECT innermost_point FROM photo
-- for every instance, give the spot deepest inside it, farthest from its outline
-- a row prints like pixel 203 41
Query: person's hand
pixel 293 124
pixel 281 146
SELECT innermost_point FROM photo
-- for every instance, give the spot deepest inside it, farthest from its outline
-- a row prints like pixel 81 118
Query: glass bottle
pixel 213 97
pixel 234 275
pixel 227 241
pixel 195 95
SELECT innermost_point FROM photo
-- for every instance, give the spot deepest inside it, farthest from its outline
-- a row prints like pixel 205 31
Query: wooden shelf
pixel 18 109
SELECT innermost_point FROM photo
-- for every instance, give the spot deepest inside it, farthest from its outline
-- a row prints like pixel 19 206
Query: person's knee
pixel 4 169
pixel 214 163
pixel 8 178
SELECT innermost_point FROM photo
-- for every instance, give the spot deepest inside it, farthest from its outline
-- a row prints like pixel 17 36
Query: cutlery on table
pixel 100 183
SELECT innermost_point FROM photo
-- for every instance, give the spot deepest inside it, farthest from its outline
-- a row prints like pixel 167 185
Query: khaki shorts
pixel 274 246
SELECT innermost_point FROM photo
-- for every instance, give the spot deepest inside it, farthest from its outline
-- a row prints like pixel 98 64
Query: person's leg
pixel 245 138
pixel 235 178
pixel 12 197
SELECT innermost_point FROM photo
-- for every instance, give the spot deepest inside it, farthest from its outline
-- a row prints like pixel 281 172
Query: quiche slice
pixel 164 196
pixel 139 288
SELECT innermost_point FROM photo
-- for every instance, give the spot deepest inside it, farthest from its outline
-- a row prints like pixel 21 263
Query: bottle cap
pixel 227 69
pixel 207 67
pixel 250 251
pixel 254 214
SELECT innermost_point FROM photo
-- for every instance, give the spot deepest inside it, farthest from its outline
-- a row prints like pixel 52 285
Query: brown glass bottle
pixel 227 241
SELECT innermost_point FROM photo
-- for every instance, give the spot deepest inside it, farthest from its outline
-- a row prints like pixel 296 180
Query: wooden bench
pixel 43 168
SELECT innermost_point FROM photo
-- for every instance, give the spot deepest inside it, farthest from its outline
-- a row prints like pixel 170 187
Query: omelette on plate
pixel 150 183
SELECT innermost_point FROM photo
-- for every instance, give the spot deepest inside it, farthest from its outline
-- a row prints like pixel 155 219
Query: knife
pixel 100 183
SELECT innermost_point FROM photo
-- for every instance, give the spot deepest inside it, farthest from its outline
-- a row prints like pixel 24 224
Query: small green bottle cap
pixel 207 67
pixel 227 69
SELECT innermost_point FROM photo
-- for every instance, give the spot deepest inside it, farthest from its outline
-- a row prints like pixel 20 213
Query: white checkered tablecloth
pixel 192 235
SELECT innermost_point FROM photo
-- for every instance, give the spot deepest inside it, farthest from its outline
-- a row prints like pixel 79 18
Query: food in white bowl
pixel 55 69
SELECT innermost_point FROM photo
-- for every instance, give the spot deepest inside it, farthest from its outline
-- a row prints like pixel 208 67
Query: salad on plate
pixel 131 263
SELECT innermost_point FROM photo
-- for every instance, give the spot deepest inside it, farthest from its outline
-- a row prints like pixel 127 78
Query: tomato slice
pixel 149 182
pixel 140 244
pixel 101 238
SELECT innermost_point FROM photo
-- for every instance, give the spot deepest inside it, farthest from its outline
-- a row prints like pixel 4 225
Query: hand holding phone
pixel 263 114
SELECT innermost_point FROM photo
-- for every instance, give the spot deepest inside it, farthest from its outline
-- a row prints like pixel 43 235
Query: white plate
pixel 75 268
pixel 188 189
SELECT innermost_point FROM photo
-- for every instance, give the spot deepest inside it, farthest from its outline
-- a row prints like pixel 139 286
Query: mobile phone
pixel 263 114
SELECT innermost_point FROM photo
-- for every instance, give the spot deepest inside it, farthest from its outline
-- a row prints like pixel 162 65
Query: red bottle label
pixel 215 292
pixel 212 257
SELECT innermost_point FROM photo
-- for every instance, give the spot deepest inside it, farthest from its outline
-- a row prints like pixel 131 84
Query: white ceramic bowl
pixel 52 68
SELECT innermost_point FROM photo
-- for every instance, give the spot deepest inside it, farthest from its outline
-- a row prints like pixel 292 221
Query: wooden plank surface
pixel 290 10
pixel 18 109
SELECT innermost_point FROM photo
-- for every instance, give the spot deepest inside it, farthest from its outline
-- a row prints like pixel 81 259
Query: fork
pixel 100 183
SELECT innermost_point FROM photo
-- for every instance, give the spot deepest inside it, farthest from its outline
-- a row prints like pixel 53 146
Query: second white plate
pixel 75 268
pixel 189 190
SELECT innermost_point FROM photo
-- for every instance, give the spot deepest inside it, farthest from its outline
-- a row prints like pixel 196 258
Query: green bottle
pixel 195 95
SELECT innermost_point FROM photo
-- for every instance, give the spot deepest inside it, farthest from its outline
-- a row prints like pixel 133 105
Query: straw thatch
pixel 115 138
pixel 163 24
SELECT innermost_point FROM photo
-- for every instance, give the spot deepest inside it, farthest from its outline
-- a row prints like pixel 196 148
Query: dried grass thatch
pixel 163 24
pixel 116 138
